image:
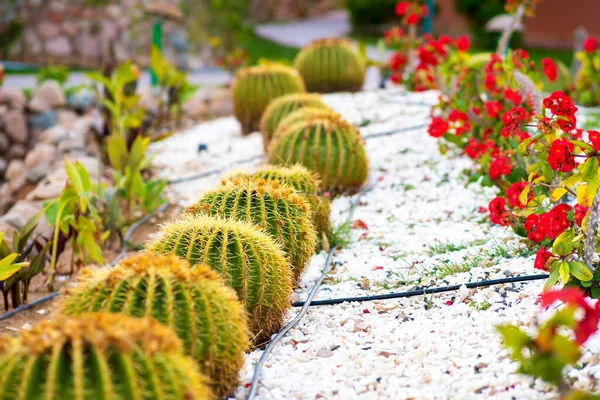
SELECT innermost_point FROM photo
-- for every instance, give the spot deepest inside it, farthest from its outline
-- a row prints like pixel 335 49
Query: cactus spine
pixel 202 311
pixel 283 106
pixel 278 209
pixel 327 145
pixel 253 89
pixel 331 65
pixel 99 356
pixel 247 259
pixel 306 183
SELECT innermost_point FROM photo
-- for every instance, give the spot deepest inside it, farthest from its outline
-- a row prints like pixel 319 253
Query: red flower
pixel 594 137
pixel 360 224
pixel 413 19
pixel 560 104
pixel 402 7
pixel 490 82
pixel 590 45
pixel 500 166
pixel 498 213
pixel 438 127
pixel 579 213
pixel 549 69
pixel 588 324
pixel 474 149
pixel 513 96
pixel 541 258
pixel 424 11
pixel 493 107
pixel 396 78
pixel 513 193
pixel 397 61
pixel 463 43
pixel 560 156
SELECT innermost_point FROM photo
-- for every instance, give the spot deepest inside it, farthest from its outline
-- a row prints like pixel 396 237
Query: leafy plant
pixel 21 259
pixel 57 73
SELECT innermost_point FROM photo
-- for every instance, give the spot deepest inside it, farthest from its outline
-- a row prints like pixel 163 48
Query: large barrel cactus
pixel 325 144
pixel 253 89
pixel 247 259
pixel 278 209
pixel 202 311
pixel 99 356
pixel 331 65
pixel 283 106
pixel 305 182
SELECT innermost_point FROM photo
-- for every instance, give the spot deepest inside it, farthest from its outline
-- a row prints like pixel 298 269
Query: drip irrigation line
pixel 126 238
pixel 421 292
pixel 290 325
pixel 215 171
pixel 395 131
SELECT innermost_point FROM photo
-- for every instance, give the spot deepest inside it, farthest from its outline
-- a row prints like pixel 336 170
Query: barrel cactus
pixel 253 89
pixel 283 106
pixel 247 259
pixel 331 65
pixel 278 209
pixel 306 183
pixel 202 311
pixel 304 114
pixel 325 144
pixel 99 356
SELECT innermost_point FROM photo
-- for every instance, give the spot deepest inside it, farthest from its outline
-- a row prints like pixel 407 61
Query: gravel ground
pixel 420 226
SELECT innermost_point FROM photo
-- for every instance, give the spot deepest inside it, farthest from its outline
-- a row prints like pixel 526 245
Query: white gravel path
pixel 424 229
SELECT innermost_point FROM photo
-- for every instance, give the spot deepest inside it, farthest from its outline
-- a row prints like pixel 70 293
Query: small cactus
pixel 283 106
pixel 247 259
pixel 278 209
pixel 253 89
pixel 331 65
pixel 306 183
pixel 202 311
pixel 99 356
pixel 325 144
pixel 304 114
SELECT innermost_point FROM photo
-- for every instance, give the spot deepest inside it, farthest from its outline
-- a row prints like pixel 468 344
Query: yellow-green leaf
pixel 557 194
pixel 74 177
pixel 564 272
pixel 8 268
pixel 580 271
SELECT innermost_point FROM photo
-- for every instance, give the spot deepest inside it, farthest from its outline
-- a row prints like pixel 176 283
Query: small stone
pixel 51 92
pixel 66 118
pixel 16 152
pixel 22 212
pixel 4 143
pixel 14 98
pixel 44 120
pixel 54 135
pixel 15 169
pixel 3 166
pixel 82 100
pixel 324 353
pixel 508 272
pixel 37 173
pixel 47 191
pixel 41 311
pixel 26 326
pixel 16 126
pixel 41 154
pixel 38 105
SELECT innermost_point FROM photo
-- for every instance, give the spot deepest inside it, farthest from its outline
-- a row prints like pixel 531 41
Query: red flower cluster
pixel 498 213
pixel 412 13
pixel 493 108
pixel 513 193
pixel 512 121
pixel 579 213
pixel 594 138
pixel 562 106
pixel 588 324
pixel 437 127
pixel 560 156
pixel 590 44
pixel 500 166
pixel 463 43
pixel 549 224
pixel 549 69
pixel 541 258
pixel 393 35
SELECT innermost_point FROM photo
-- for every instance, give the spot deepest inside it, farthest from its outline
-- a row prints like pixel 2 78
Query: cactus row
pixel 282 107
pixel 331 65
pixel 253 88
pixel 201 310
pixel 325 143
pixel 98 356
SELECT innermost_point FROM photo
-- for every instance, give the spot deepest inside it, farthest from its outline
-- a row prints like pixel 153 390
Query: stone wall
pixel 74 34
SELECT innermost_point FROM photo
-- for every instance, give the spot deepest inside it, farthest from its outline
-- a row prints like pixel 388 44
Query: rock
pixel 17 152
pixel 75 143
pixel 82 100
pixel 41 154
pixel 44 120
pixel 3 166
pixel 54 135
pixel 37 173
pixel 4 143
pixel 14 98
pixel 3 111
pixel 21 212
pixel 15 169
pixel 51 92
pixel 66 118
pixel 16 126
pixel 38 105
pixel 47 190
pixel 7 228
pixel 59 46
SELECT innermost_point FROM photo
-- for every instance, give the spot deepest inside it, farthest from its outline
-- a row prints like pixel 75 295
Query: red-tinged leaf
pixel 366 311
pixel 377 267
pixel 379 178
pixel 360 224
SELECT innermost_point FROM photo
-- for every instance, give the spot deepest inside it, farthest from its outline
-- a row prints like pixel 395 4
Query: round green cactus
pixel 278 209
pixel 247 259
pixel 253 88
pixel 305 182
pixel 204 313
pixel 331 65
pixel 99 356
pixel 282 107
pixel 325 144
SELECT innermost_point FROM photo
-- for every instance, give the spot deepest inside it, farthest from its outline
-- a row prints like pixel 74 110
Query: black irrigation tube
pixel 127 236
pixel 214 171
pixel 421 292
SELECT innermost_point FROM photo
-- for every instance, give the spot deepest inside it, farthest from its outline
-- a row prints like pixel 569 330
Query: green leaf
pixel 7 268
pixel 554 275
pixel 564 272
pixel 74 177
pixel 580 271
pixel 514 340
pixel 563 244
